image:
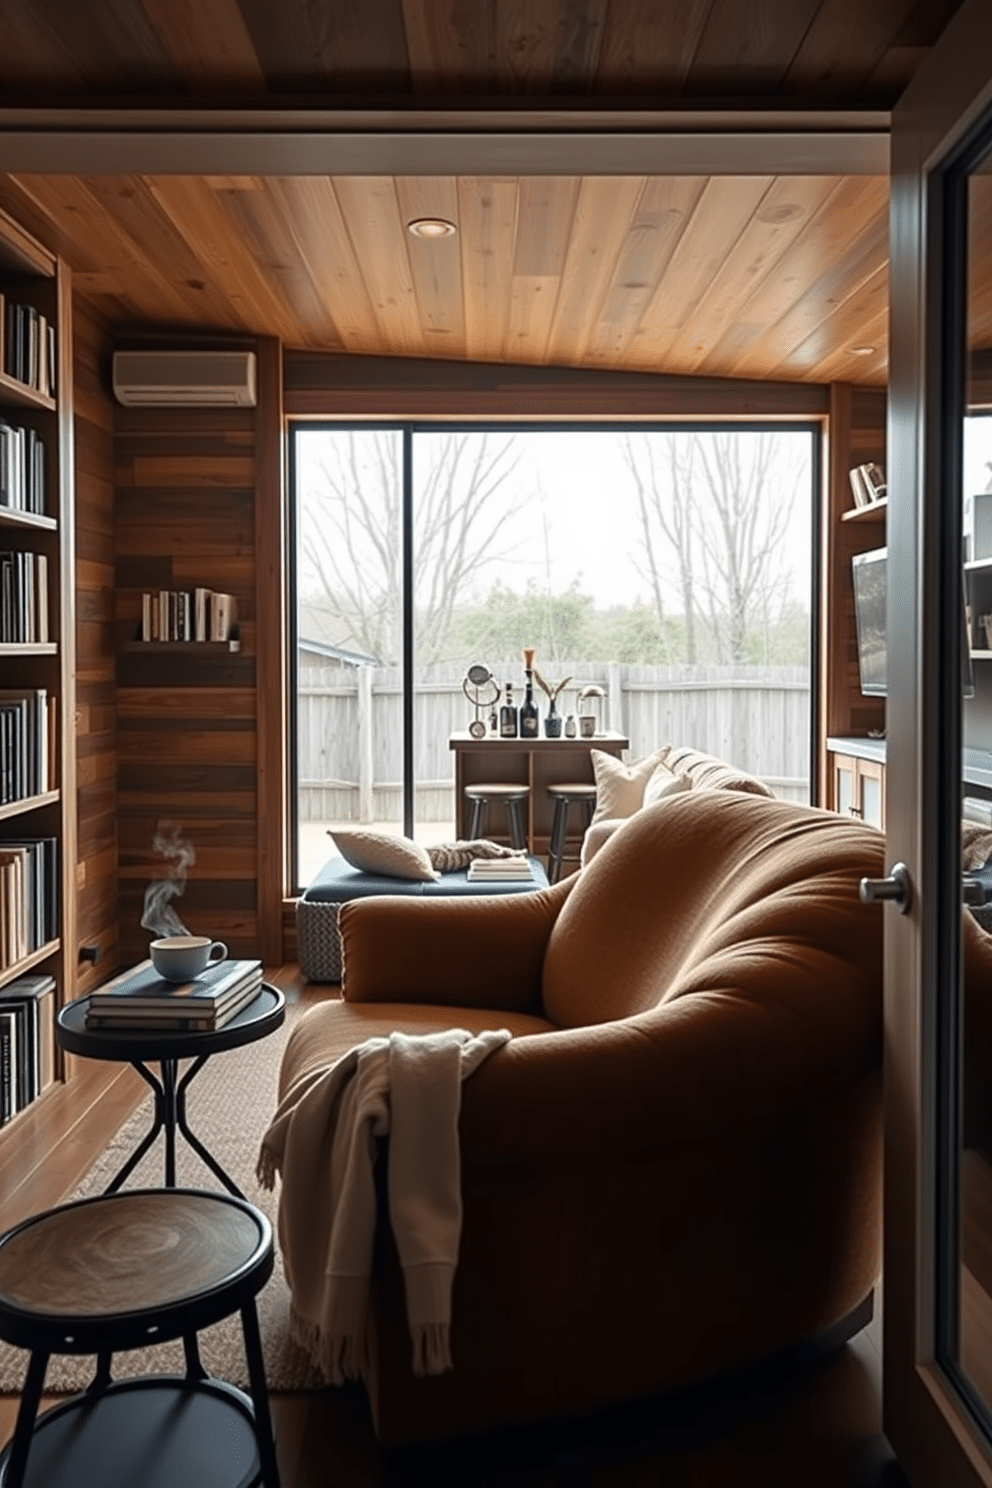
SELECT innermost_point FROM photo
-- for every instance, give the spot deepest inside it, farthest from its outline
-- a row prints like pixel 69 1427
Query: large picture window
pixel 670 566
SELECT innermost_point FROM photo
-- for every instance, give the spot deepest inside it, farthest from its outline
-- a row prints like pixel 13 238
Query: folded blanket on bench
pixel 322 1141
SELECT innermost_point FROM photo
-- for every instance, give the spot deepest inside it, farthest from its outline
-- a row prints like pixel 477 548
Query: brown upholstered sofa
pixel 673 1167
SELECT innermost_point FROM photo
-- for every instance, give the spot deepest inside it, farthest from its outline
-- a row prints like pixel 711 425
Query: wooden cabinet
pixel 857 788
pixel 535 763
pixel 37 651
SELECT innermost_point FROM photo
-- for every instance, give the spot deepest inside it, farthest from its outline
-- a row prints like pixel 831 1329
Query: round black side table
pixel 262 1016
pixel 124 1271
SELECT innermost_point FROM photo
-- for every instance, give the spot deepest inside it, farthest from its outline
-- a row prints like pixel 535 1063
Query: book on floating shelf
pixel 140 998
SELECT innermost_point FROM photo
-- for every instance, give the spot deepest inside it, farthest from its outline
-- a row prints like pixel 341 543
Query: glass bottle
pixel 528 709
pixel 508 716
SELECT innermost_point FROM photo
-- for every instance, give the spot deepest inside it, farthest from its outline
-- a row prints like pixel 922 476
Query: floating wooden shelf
pixel 13 390
pixel 171 648
pixel 11 973
pixel 10 517
pixel 873 512
pixel 29 803
pixel 28 648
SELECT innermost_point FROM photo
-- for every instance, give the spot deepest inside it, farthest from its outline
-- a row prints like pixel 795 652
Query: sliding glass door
pixel 665 573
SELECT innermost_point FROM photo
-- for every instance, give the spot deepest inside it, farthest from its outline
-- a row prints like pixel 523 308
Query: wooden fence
pixel 350 729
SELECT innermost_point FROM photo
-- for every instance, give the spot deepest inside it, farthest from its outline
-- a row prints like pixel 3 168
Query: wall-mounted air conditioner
pixel 185 379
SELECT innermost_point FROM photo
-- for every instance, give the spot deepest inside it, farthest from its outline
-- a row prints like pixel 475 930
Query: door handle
pixel 897 887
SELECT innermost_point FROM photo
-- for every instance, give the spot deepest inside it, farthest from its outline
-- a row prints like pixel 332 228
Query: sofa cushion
pixel 375 852
pixel 620 787
pixel 706 772
pixel 690 896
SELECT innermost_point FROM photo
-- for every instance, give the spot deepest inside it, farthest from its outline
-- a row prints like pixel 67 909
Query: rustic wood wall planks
pixel 96 703
pixel 186 713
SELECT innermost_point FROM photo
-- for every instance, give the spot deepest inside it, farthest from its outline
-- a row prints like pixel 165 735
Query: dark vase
pixel 552 723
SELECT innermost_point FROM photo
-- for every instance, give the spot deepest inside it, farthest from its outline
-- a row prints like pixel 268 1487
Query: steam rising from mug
pixel 158 914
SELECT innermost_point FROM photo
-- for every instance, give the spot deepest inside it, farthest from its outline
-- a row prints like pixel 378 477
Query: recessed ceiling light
pixel 862 351
pixel 430 227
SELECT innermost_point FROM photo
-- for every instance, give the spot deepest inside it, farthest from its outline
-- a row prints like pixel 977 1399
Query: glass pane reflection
pixel 974 1315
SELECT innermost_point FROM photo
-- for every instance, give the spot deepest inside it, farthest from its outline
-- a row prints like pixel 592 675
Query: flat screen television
pixel 868 570
pixel 870 599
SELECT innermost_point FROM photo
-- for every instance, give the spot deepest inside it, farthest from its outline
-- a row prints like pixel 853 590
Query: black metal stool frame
pixel 107 1335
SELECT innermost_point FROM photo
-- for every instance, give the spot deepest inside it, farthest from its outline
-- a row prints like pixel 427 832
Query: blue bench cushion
pixel 337 882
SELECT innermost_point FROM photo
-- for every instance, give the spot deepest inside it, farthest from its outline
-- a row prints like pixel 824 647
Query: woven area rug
pixel 229 1106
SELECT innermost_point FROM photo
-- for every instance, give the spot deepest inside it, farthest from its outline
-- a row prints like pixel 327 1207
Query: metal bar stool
pixel 120 1272
pixel 512 797
pixel 564 797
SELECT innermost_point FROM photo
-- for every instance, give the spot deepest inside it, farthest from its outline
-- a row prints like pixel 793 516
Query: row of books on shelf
pixel 23 597
pixel 140 999
pixel 27 1042
pixel 188 615
pixel 29 347
pixel 867 483
pixel 29 899
pixel 22 468
pixel 27 743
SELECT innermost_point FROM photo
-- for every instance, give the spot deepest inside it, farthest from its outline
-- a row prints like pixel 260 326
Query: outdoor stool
pixel 512 797
pixel 124 1271
pixel 564 797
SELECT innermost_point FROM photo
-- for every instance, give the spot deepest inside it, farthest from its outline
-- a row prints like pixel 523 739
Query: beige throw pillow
pixel 375 852
pixel 620 787
pixel 664 782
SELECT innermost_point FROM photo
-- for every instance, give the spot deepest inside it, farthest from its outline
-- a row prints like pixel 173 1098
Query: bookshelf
pixel 37 647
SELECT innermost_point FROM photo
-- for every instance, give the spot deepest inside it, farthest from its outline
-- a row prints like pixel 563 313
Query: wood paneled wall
pixel 96 704
pixel 857 435
pixel 187 740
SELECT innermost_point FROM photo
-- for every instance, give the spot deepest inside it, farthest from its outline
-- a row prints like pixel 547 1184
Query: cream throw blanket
pixel 322 1141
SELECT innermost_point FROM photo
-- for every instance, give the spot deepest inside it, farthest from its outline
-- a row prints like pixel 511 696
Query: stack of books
pixel 27 1044
pixel 499 870
pixel 141 999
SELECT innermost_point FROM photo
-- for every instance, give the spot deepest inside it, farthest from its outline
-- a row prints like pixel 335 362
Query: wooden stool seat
pixel 511 796
pixel 124 1271
pixel 565 796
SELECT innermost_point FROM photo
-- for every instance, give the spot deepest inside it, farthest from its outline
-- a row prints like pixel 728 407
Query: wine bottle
pixel 528 709
pixel 508 716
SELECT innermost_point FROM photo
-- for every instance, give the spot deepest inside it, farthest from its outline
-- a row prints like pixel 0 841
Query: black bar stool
pixel 565 797
pixel 512 797
pixel 120 1272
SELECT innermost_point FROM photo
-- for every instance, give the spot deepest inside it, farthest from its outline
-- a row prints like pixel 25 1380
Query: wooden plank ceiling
pixel 847 52
pixel 750 277
pixel 755 277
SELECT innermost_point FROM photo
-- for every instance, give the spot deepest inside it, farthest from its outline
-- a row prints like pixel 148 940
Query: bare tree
pixel 352 535
pixel 740 529
pixel 713 511
pixel 665 511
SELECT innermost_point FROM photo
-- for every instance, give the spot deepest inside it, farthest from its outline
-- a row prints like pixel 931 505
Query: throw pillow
pixel 620 787
pixel 664 782
pixel 375 852
pixel 447 856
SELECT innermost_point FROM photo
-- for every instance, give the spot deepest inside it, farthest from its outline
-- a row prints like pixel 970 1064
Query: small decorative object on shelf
pixel 482 690
pixel 508 719
pixel 552 691
pixel 591 700
pixel 528 708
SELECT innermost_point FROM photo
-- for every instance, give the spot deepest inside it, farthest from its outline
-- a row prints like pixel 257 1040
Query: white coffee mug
pixel 180 958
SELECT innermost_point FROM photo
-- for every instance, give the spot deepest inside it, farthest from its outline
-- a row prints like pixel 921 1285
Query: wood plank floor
pixel 811 1426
